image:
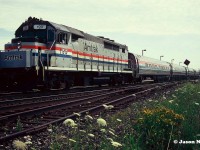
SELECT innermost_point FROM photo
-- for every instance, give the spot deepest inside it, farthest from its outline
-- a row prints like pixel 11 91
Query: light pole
pixel 143 51
pixel 172 60
pixel 161 57
pixel 180 63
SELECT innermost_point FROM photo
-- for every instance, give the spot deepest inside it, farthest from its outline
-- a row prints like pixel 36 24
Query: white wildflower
pixel 103 130
pixel 196 104
pixel 108 106
pixel 112 133
pixel 28 142
pixel 105 106
pixel 110 139
pixel 116 144
pixel 39 143
pixel 119 120
pixel 91 135
pixel 27 137
pixel 174 96
pixel 19 145
pixel 69 122
pixel 170 101
pixel 63 137
pixel 88 117
pixel 101 122
pixel 77 114
pixel 83 131
pixel 150 100
pixel 111 129
pixel 75 126
pixel 50 130
pixel 71 140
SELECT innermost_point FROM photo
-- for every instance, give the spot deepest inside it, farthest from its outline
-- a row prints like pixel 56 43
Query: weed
pixel 19 125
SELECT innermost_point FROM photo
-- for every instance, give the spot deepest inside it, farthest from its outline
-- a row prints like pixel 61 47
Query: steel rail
pixel 115 103
pixel 60 105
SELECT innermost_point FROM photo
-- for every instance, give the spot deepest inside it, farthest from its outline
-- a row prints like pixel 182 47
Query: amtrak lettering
pixel 13 57
pixel 156 66
pixel 90 48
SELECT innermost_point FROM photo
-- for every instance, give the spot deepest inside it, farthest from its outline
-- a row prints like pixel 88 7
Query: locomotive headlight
pixel 19 45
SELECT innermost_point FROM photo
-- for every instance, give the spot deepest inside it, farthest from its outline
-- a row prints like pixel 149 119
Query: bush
pixel 156 127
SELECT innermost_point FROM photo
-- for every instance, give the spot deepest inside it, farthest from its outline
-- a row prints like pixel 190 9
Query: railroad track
pixel 22 104
pixel 11 109
pixel 37 93
pixel 24 122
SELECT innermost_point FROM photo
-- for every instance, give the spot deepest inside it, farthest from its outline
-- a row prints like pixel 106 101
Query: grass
pixel 186 102
pixel 19 125
pixel 157 126
pixel 151 124
pixel 185 112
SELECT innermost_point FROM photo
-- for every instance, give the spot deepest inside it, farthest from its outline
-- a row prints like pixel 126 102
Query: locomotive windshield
pixel 37 33
pixel 31 36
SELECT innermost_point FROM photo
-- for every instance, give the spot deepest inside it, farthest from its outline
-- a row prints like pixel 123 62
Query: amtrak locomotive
pixel 50 55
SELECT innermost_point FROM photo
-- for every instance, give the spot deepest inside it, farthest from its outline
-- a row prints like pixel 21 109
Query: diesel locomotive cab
pixel 35 33
pixel 33 30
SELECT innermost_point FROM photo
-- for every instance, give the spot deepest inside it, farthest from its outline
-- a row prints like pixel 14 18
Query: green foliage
pixel 187 102
pixel 130 142
pixel 151 124
pixel 55 146
pixel 156 126
pixel 19 125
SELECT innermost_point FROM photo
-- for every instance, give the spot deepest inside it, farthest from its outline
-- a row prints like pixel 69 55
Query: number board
pixel 39 27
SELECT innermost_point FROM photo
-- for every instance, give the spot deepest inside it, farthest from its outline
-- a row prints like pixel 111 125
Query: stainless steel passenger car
pixel 152 68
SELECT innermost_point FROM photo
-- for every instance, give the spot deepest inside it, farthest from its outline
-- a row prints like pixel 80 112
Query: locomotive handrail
pixel 48 60
pixel 52 44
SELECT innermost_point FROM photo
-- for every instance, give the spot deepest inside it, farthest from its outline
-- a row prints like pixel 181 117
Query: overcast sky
pixel 162 27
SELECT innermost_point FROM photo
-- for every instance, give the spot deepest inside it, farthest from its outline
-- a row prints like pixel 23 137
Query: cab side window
pixel 62 38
